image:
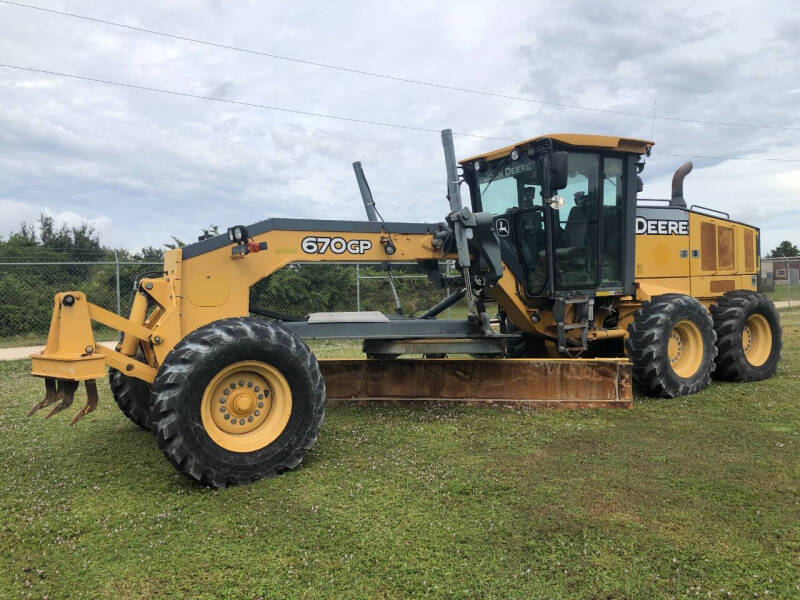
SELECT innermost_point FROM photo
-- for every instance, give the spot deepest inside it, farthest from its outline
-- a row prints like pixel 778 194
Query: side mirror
pixel 558 170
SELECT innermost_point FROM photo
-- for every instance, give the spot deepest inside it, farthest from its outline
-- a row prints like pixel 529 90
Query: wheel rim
pixel 685 349
pixel 246 406
pixel 756 340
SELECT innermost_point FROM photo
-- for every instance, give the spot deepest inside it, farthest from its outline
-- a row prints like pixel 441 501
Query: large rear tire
pixel 671 343
pixel 748 336
pixel 132 396
pixel 237 400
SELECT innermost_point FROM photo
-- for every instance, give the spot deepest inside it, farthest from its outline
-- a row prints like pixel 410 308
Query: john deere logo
pixel 501 226
pixel 661 227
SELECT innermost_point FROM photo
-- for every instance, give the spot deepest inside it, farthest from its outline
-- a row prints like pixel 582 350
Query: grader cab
pixel 574 291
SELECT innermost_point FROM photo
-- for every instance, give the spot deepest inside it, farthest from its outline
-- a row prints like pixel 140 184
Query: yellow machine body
pixel 715 256
pixel 687 252
pixel 595 292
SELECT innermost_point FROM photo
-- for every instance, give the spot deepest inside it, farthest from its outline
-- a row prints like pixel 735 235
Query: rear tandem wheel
pixel 748 336
pixel 671 343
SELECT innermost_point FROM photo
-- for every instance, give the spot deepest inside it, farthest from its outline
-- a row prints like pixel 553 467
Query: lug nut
pixel 256 389
pixel 227 416
pixel 241 421
pixel 233 386
pixel 241 383
pixel 222 400
pixel 257 412
pixel 249 384
pixel 250 418
pixel 260 405
pixel 222 409
pixel 226 391
pixel 261 396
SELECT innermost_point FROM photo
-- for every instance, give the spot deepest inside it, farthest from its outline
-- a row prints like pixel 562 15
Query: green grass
pixel 784 292
pixel 694 497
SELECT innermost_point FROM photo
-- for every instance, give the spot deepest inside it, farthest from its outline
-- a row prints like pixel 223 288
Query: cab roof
pixel 578 140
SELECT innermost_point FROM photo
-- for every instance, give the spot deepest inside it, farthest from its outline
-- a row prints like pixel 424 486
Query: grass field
pixel 784 292
pixel 695 497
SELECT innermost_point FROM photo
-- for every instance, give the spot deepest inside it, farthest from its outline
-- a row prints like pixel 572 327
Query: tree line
pixel 26 291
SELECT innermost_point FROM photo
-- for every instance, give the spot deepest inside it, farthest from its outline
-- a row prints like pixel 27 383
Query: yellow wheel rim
pixel 685 349
pixel 246 406
pixel 757 340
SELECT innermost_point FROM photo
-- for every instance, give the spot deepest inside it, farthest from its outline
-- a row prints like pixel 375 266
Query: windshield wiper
pixel 492 178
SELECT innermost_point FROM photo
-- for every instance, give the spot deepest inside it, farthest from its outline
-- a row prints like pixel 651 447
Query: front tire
pixel 237 400
pixel 671 343
pixel 748 336
pixel 132 396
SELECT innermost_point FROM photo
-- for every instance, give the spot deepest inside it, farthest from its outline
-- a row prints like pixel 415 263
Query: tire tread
pixel 180 365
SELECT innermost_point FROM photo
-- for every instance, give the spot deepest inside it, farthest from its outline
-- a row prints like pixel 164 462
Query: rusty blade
pixel 91 402
pixel 49 396
pixel 533 383
pixel 66 392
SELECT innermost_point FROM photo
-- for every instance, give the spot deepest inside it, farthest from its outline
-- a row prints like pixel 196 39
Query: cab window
pixel 611 238
pixel 576 241
pixel 506 183
pixel 499 196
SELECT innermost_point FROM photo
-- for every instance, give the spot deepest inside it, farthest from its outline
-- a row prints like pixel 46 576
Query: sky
pixel 142 166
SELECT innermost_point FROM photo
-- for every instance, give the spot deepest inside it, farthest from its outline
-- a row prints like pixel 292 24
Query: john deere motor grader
pixel 554 245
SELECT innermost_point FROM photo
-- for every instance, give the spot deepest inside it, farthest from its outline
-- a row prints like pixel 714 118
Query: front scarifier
pixel 78 360
pixel 63 392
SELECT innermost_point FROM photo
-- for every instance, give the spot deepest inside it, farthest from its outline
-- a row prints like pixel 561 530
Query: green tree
pixel 785 248
pixel 149 254
pixel 210 231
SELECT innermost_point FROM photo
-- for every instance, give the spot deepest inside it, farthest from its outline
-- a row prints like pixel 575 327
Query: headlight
pixel 238 234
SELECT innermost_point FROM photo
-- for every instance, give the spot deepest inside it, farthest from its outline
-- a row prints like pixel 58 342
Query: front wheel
pixel 237 400
pixel 671 343
pixel 132 396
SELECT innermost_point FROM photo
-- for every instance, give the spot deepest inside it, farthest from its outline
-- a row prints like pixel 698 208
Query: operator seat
pixel 577 222
pixel 574 256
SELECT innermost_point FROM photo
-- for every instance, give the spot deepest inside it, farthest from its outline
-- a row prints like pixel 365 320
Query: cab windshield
pixel 506 183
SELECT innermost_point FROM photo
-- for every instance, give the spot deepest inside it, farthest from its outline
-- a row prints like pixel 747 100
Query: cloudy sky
pixel 142 166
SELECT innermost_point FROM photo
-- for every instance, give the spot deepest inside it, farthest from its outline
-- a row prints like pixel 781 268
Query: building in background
pixel 779 271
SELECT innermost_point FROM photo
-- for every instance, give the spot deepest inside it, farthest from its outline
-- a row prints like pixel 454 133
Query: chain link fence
pixel 27 290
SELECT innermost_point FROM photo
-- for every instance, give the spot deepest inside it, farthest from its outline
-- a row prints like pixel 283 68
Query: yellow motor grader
pixel 575 290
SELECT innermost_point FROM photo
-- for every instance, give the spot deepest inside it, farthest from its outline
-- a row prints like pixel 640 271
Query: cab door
pixel 531 245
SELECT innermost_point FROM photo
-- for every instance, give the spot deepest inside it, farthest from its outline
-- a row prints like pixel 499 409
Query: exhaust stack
pixel 677 184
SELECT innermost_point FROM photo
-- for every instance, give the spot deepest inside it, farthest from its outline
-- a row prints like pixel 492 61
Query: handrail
pixel 711 210
pixel 663 200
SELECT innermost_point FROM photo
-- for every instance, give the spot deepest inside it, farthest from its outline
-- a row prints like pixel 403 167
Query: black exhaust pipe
pixel 677 184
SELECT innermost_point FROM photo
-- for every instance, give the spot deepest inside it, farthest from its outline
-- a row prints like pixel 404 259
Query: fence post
pixel 116 266
pixel 358 289
pixel 788 286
